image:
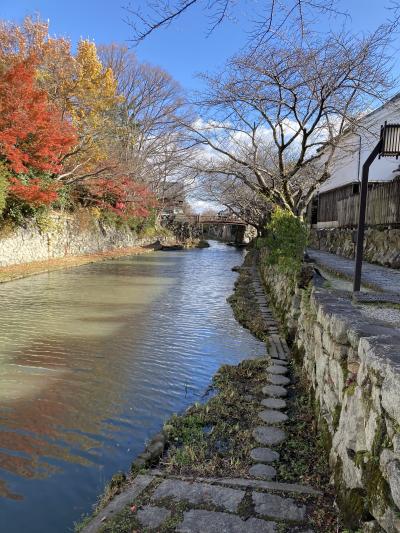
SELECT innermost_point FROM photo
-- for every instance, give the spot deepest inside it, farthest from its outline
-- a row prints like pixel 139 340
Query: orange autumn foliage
pixel 32 131
pixel 34 192
pixel 122 196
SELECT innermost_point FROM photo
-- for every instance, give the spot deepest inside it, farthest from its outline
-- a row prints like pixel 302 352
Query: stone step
pixel 275 391
pixel 264 455
pixel 152 517
pixel 276 507
pixel 139 484
pixel 272 417
pixel 281 344
pixel 277 379
pixel 276 486
pixel 262 471
pixel 268 435
pixel 277 369
pixel 199 494
pixel 279 362
pixel 199 521
pixel 273 403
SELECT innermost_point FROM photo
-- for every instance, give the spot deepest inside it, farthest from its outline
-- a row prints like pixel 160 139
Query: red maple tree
pixel 33 133
pixel 122 196
pixel 35 192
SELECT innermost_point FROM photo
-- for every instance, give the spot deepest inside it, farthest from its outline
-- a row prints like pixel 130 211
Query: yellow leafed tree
pixel 90 98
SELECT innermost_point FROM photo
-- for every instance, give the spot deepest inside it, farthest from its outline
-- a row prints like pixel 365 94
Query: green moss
pixel 325 436
pixel 352 506
pixel 378 490
pixel 351 389
pixel 379 437
pixel 345 370
pixel 351 502
pixel 361 457
pixel 336 416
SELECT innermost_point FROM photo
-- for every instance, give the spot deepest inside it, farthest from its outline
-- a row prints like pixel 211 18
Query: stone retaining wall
pixel 64 235
pixel 353 366
pixel 382 245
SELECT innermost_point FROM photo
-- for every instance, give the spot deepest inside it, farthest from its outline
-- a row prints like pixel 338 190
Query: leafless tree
pixel 273 119
pixel 149 132
pixel 236 197
pixel 273 16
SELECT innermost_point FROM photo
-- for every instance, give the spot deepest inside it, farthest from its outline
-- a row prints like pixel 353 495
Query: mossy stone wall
pixel 353 366
pixel 63 235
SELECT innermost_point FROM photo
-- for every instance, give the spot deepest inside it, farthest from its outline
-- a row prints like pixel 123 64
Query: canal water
pixel 92 362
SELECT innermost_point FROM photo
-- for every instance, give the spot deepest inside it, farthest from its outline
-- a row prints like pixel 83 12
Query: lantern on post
pixel 388 146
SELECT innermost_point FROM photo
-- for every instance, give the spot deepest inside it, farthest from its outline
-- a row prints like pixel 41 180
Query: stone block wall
pixel 382 245
pixel 64 235
pixel 353 366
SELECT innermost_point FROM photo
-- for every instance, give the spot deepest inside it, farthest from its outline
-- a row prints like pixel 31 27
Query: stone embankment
pixel 234 464
pixel 63 240
pixel 64 235
pixel 382 245
pixel 352 363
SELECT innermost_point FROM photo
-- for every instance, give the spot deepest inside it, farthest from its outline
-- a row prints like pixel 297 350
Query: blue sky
pixel 183 49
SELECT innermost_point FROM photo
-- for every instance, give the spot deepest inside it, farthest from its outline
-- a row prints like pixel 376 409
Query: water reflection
pixel 92 361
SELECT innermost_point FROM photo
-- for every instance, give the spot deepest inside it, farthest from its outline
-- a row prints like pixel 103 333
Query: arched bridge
pixel 227 229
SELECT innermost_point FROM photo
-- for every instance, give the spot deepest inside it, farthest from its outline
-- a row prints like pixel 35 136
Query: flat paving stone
pixel 267 485
pixel 276 391
pixel 198 521
pixel 381 278
pixel 277 369
pixel 264 455
pixel 276 379
pixel 151 516
pixel 274 403
pixel 268 435
pixel 262 471
pixel 199 493
pixel 273 352
pixel 274 506
pixel 139 484
pixel 272 417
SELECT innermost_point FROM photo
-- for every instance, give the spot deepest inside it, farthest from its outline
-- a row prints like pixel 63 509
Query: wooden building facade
pixel 339 207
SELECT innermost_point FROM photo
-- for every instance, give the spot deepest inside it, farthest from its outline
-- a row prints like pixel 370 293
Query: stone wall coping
pixel 377 343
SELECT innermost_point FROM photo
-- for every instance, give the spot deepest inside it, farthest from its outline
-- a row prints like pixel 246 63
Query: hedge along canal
pixel 92 362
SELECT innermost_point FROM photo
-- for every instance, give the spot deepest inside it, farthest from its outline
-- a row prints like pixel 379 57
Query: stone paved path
pixel 378 277
pixel 256 504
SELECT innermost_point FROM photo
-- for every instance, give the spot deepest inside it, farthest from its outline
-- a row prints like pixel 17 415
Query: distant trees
pixel 92 128
pixel 152 137
pixel 271 121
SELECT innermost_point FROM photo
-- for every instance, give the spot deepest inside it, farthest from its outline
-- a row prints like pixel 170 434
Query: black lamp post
pixel 388 146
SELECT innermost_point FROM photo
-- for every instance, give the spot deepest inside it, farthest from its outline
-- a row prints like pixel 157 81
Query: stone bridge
pixel 227 229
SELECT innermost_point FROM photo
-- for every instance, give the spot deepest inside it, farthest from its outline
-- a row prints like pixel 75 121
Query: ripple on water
pixel 92 362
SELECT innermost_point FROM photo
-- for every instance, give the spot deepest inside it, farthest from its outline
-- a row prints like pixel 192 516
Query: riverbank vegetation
pixel 89 129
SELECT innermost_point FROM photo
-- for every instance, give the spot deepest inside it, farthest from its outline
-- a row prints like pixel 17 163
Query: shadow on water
pixel 92 362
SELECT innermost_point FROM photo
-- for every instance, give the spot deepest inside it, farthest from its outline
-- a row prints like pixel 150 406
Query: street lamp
pixel 388 146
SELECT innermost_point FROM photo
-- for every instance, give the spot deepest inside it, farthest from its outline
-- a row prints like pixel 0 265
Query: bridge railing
pixel 201 219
